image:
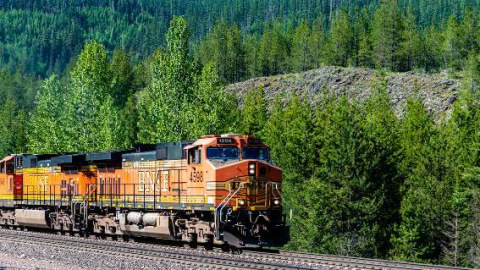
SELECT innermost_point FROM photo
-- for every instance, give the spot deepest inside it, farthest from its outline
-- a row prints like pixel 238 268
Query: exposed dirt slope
pixel 438 90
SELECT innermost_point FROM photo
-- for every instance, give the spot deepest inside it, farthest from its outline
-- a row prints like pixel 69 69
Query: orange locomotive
pixel 215 190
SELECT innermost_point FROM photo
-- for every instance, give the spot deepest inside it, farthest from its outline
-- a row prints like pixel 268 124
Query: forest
pixel 85 76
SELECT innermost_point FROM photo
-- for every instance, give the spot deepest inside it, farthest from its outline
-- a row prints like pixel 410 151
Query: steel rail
pixel 346 262
pixel 171 256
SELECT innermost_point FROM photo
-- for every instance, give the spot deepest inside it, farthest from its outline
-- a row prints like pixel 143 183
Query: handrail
pixel 222 205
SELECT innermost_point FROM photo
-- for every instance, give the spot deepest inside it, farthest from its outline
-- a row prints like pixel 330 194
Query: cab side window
pixel 10 168
pixel 195 156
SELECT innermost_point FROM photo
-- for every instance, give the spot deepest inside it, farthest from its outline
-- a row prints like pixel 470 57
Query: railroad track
pixel 195 259
pixel 170 256
pixel 345 262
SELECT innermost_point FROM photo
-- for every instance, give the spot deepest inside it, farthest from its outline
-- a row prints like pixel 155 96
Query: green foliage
pixel 179 103
pixel 273 52
pixel 253 115
pixel 334 190
pixel 46 132
pixel 164 113
pixel 387 36
pixel 214 111
pixel 301 55
pixel 341 40
pixel 359 180
pixel 89 103
pixel 17 98
pixel 225 48
pixel 452 44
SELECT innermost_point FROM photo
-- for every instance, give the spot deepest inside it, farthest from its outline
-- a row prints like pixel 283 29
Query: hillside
pixel 43 36
pixel 437 90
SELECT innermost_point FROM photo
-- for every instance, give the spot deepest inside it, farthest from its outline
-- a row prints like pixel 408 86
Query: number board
pixel 225 141
pixel 253 141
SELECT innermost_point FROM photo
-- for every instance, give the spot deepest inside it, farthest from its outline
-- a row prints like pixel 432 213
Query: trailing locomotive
pixel 221 190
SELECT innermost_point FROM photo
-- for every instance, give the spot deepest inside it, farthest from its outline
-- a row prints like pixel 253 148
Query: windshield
pixel 222 153
pixel 260 153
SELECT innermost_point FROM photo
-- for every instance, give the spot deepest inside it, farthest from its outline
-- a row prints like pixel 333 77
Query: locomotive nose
pixel 256 168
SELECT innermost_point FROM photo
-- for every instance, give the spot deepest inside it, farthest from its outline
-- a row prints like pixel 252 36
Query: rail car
pixel 217 190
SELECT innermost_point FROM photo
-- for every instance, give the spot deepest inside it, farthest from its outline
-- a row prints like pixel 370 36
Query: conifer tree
pixel 452 44
pixel 387 35
pixel 432 48
pixel 341 40
pixel 419 235
pixel 273 52
pixel 254 114
pixel 289 132
pixel 362 40
pixel 411 46
pixel 469 31
pixel 236 55
pixel 224 47
pixel 300 54
pixel 251 45
pixel 317 42
pixel 122 78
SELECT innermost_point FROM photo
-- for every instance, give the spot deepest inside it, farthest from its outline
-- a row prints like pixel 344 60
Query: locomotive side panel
pixel 6 181
pixel 154 183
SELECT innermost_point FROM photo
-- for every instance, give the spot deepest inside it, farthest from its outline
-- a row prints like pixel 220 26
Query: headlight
pixel 251 169
pixel 276 201
pixel 241 202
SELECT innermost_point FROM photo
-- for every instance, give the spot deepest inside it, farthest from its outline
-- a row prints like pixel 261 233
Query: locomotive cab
pixel 241 184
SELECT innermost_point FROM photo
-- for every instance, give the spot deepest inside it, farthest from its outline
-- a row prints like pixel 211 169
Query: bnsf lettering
pixel 148 180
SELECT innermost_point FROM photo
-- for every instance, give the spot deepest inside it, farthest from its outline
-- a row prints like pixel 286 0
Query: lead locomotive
pixel 215 190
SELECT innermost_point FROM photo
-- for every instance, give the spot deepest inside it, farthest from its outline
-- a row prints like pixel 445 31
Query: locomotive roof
pixel 141 156
pixel 68 159
pixel 107 156
pixel 32 161
pixel 162 151
pixel 44 163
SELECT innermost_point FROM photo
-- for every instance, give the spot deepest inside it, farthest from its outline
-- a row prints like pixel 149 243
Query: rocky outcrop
pixel 438 90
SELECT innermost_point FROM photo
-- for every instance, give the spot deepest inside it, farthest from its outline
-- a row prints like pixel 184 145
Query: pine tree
pixel 362 40
pixel 387 35
pixel 452 45
pixel 432 50
pixel 122 78
pixel 273 52
pixel 251 45
pixel 462 157
pixel 254 114
pixel 300 55
pixel 288 131
pixel 469 31
pixel 419 235
pixel 225 48
pixel 317 43
pixel 236 55
pixel 340 40
pixel 411 46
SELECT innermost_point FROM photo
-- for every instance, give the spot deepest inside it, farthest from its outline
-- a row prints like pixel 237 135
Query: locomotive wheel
pixel 235 250
pixel 225 248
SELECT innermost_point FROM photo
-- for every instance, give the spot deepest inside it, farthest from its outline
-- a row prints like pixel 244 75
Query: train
pixel 216 190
